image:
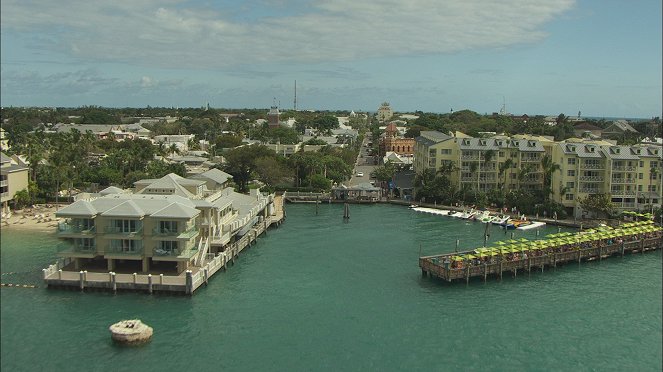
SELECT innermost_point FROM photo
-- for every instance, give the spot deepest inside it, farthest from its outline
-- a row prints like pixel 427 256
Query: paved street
pixel 364 164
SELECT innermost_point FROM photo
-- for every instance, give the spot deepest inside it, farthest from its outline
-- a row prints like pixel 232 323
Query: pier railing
pixel 440 266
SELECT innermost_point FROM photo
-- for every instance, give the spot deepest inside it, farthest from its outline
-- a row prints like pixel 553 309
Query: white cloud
pixel 181 35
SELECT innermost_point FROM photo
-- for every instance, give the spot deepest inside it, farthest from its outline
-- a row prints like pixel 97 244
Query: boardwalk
pixel 536 255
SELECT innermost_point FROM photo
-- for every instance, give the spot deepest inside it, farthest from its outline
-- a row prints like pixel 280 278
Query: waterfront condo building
pixel 13 178
pixel 167 224
pixel 631 175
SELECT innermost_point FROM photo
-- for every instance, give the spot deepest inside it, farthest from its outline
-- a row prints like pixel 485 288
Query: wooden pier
pixel 456 267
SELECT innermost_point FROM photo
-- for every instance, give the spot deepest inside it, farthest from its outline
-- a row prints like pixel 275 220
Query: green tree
pixel 241 163
pixel 549 167
pixel 597 204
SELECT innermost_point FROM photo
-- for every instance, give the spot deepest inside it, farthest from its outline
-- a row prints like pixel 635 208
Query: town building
pixel 168 224
pixel 392 140
pixel 384 112
pixel 631 175
pixel 274 117
pixel 14 174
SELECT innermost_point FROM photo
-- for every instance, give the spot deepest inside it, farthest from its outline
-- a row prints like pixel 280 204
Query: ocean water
pixel 319 293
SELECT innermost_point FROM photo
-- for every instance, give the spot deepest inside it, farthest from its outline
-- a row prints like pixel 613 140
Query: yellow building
pixel 13 178
pixel 631 175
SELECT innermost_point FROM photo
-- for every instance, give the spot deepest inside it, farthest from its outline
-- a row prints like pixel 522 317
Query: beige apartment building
pixel 631 175
pixel 169 224
pixel 13 178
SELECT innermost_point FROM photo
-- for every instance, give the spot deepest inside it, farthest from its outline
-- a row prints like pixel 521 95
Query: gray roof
pixel 149 203
pixel 111 190
pixel 81 208
pixel 170 181
pixel 127 209
pixel 620 126
pixel 176 210
pixel 404 180
pixel 620 153
pixel 432 137
pixel 215 175
pixel 480 144
pixel 582 150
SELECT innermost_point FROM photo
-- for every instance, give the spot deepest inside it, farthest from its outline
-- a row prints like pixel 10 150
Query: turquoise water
pixel 322 294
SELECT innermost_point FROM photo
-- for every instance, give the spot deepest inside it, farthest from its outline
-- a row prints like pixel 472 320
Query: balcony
pixel 71 250
pixel 590 191
pixel 120 250
pixel 623 192
pixel 592 166
pixel 621 168
pixel 174 253
pixel 531 159
pixel 623 180
pixel 65 229
pixel 4 183
pixel 591 178
pixel 469 157
pixel 123 232
pixel 165 233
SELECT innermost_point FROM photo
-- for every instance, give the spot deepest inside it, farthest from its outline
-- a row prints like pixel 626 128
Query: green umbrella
pixel 500 243
pixel 457 258
pixel 470 257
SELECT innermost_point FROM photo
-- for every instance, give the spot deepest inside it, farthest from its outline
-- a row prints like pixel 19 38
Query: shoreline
pixel 37 218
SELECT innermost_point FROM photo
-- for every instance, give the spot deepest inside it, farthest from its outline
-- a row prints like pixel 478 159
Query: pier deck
pixel 442 266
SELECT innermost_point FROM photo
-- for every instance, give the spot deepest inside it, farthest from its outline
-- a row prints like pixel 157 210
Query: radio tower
pixel 295 95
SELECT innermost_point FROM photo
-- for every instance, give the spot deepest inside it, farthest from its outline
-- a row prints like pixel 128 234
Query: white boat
pixel 531 225
pixel 465 214
pixel 484 217
pixel 499 220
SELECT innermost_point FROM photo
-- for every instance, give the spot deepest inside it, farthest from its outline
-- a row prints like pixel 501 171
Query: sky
pixel 536 57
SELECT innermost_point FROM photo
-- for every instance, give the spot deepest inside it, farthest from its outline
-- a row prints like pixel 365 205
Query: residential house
pixel 618 129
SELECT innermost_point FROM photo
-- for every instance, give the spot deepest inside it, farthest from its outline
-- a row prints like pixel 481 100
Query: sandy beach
pixel 38 218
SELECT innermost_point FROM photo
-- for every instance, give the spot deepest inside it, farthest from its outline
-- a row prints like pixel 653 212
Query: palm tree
pixel 549 167
pixel 487 157
pixel 173 149
pixel 508 163
pixel 523 173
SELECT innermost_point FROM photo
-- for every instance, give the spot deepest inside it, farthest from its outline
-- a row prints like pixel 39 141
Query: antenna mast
pixel 295 95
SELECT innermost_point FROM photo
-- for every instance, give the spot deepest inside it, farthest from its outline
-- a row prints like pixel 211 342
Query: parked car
pixel 360 174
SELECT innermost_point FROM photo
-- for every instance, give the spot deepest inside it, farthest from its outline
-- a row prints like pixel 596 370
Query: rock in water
pixel 130 332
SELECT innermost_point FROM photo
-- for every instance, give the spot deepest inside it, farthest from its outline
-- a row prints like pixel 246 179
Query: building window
pixel 445 151
pixel 642 163
pixel 431 153
pixel 653 164
pixel 569 185
pixel 639 187
pixel 640 175
pixel 571 161
pixel 571 173
pixel 568 197
pixel 501 154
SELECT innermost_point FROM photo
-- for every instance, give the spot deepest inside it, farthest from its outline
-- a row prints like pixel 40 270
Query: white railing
pixel 591 178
